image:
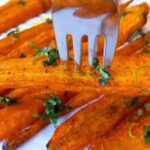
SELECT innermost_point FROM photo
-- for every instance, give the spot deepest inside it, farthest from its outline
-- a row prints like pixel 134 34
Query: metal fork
pixel 86 17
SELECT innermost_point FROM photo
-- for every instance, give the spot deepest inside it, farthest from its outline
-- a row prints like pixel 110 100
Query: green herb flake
pixel 147 134
pixel 53 108
pixel 49 21
pixel 147 107
pixel 105 75
pixel 133 102
pixel 51 54
pixel 147 50
pixel 35 114
pixel 21 3
pixel 123 14
pixel 14 33
pixel 7 100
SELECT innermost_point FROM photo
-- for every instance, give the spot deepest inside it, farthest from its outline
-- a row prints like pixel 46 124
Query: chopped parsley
pixel 147 107
pixel 49 21
pixel 123 14
pixel 7 100
pixel 147 134
pixel 53 108
pixel 51 54
pixel 133 102
pixel 14 33
pixel 21 3
pixel 147 49
pixel 105 75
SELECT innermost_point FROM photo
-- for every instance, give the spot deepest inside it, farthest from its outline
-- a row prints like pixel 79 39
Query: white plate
pixel 39 141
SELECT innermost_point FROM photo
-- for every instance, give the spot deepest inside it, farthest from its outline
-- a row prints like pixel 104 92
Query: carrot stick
pixel 128 135
pixel 12 142
pixel 75 102
pixel 134 46
pixel 10 42
pixel 19 116
pixel 44 33
pixel 25 72
pixel 135 13
pixel 89 123
pixel 8 5
pixel 21 13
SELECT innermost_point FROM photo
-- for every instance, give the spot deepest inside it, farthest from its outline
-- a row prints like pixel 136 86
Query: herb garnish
pixel 147 49
pixel 147 134
pixel 7 100
pixel 133 102
pixel 14 33
pixel 51 54
pixel 21 3
pixel 53 108
pixel 147 107
pixel 123 14
pixel 105 75
pixel 49 20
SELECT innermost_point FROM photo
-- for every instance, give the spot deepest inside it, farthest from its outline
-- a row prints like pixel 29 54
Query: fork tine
pixel 77 42
pixel 92 44
pixel 110 47
pixel 62 46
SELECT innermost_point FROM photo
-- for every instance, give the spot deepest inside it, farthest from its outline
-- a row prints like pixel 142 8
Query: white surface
pixel 39 141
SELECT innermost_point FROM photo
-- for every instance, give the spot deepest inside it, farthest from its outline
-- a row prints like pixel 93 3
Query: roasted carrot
pixel 137 13
pixel 134 46
pixel 21 13
pixel 10 42
pixel 15 141
pixel 43 34
pixel 18 116
pixel 12 142
pixel 128 135
pixel 89 123
pixel 128 75
pixel 8 5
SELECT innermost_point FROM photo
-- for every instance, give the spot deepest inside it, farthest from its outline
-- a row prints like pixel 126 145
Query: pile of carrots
pixel 109 119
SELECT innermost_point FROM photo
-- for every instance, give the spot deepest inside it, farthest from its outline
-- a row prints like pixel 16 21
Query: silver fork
pixel 86 17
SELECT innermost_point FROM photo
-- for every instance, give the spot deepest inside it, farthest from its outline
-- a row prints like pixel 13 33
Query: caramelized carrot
pixel 128 76
pixel 18 14
pixel 128 135
pixel 89 123
pixel 44 33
